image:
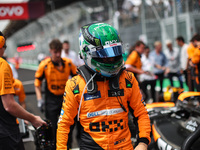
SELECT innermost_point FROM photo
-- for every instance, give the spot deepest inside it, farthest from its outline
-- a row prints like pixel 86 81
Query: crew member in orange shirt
pixel 56 71
pixel 191 67
pixel 196 62
pixel 133 62
pixel 10 109
pixel 19 93
pixel 190 50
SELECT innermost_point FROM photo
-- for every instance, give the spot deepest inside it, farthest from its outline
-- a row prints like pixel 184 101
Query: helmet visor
pixel 108 52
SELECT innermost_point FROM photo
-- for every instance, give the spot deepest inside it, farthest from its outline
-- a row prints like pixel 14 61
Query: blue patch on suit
pixel 62 112
pixel 93 96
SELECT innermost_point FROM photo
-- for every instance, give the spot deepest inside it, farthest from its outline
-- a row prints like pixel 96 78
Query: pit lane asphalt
pixel 27 78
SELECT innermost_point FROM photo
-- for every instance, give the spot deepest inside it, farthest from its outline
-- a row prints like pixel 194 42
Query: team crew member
pixel 190 51
pixel 18 87
pixel 99 96
pixel 9 109
pixel 19 92
pixel 159 60
pixel 183 57
pixel 71 54
pixel 196 61
pixel 133 62
pixel 172 55
pixel 19 95
pixel 55 71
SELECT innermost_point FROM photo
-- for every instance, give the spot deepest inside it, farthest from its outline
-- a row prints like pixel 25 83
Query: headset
pixel 44 139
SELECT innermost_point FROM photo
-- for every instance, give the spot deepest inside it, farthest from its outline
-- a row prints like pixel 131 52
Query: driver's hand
pixel 141 146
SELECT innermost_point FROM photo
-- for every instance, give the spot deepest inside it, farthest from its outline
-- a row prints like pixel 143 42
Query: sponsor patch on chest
pixel 113 93
pixel 105 112
pixel 92 96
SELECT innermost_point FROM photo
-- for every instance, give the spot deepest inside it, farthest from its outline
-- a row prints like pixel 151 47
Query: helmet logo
pixel 97 41
pixel 97 70
pixel 86 49
pixel 110 42
pixel 85 27
pixel 113 44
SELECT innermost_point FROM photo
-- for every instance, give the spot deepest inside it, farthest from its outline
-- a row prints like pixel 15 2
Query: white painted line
pixel 28 82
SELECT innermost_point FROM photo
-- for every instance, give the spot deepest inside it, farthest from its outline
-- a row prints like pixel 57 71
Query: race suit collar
pixel 92 87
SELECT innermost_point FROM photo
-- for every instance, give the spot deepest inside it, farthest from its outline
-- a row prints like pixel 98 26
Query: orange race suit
pixel 8 124
pixel 104 123
pixel 56 78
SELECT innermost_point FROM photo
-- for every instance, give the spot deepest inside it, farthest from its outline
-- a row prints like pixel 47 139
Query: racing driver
pixel 100 95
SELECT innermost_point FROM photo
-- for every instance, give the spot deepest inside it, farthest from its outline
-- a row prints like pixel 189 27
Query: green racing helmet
pixel 101 48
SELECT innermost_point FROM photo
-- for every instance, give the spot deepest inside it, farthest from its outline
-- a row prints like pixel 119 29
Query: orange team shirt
pixel 196 60
pixel 19 90
pixel 134 59
pixel 56 77
pixel 196 57
pixel 6 78
pixel 190 50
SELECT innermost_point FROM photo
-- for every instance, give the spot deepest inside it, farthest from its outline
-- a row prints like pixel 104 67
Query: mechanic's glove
pixel 40 104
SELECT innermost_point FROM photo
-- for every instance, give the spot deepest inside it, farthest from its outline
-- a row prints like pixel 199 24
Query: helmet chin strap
pixel 83 94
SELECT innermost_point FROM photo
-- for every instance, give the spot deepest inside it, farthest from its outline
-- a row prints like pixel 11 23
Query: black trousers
pixel 191 79
pixel 160 79
pixel 178 75
pixel 143 86
pixel 13 142
pixel 186 76
pixel 197 83
pixel 53 105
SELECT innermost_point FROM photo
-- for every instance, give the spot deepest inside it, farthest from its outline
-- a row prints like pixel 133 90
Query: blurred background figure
pixel 133 62
pixel 147 78
pixel 160 63
pixel 172 54
pixel 55 71
pixel 191 67
pixel 71 54
pixel 14 71
pixel 40 57
pixel 183 57
pixel 16 59
pixel 195 60
pixel 19 95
